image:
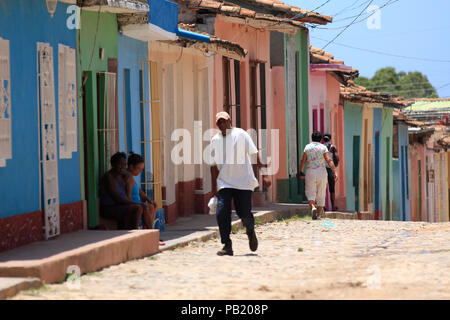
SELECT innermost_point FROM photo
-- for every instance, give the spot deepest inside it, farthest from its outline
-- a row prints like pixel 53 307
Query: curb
pixel 341 215
pixel 9 287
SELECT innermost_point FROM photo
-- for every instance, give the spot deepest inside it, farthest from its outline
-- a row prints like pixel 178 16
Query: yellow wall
pixel 367 159
pixel 185 92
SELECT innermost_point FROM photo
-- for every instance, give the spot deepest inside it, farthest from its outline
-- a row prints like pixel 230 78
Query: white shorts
pixel 316 185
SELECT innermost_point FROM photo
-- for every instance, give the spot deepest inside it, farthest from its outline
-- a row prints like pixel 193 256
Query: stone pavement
pixel 92 250
pixel 200 227
pixel 297 259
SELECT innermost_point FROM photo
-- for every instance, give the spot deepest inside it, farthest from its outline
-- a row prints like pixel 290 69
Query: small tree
pixel 409 85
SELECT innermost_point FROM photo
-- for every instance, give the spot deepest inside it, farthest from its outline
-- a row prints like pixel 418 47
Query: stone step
pixel 9 287
pixel 88 251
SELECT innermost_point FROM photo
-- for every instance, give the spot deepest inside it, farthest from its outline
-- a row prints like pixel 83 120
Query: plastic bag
pixel 212 204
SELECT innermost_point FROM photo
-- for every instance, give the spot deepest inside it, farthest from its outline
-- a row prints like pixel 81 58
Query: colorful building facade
pixel 39 148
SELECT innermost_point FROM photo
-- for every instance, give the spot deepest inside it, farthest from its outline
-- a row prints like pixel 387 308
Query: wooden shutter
pixel 5 103
pixel 67 107
pixel 49 158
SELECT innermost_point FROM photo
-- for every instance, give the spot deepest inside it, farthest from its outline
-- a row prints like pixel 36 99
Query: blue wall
pixel 397 190
pixel 403 193
pixel 352 127
pixel 167 21
pixel 24 23
pixel 130 52
pixel 377 113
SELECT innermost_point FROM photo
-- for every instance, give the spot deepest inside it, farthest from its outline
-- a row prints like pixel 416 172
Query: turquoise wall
pixel 397 189
pixel 352 127
pixel 377 114
pixel 403 196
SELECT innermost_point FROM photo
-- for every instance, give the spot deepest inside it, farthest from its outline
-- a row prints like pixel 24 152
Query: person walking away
pixel 314 156
pixel 335 157
pixel 233 178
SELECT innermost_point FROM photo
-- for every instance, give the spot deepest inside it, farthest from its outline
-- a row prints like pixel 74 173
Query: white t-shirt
pixel 232 154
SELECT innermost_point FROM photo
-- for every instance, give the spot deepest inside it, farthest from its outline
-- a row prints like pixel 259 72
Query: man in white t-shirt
pixel 233 179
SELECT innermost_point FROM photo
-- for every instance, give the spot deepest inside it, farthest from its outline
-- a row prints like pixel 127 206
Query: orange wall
pixel 416 152
pixel 257 43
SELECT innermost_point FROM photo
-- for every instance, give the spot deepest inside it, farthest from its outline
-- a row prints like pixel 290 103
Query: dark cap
pixel 327 137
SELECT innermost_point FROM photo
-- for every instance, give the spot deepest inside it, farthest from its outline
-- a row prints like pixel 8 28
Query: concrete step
pixel 88 251
pixel 9 287
pixel 340 215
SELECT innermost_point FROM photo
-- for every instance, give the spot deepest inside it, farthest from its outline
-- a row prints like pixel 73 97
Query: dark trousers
pixel 243 204
pixel 331 182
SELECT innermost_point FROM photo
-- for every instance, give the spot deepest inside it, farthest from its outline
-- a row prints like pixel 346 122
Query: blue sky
pixel 410 28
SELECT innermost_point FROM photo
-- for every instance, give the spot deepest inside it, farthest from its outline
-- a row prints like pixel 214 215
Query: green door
pixel 356 157
pixel 388 176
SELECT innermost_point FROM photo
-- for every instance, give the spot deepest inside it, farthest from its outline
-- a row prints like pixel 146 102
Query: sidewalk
pixel 48 261
pixel 201 227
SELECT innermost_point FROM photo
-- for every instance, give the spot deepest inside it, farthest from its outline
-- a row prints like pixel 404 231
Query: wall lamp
pixel 51 6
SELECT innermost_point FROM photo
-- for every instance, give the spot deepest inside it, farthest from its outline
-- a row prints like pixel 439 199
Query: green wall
pixel 352 128
pixel 288 190
pixel 97 31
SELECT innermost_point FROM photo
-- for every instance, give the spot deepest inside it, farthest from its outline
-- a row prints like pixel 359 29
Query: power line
pixel 347 26
pixel 384 5
pixel 382 53
pixel 354 22
pixel 445 85
pixel 398 84
pixel 299 15
pixel 413 90
pixel 408 90
pixel 321 5
pixel 350 6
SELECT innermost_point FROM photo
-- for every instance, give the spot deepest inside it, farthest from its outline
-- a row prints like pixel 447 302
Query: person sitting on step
pixel 136 164
pixel 114 202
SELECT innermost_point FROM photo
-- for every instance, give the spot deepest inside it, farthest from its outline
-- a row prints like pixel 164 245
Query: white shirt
pixel 232 154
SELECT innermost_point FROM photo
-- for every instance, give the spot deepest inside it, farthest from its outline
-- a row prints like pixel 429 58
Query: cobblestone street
pixel 296 259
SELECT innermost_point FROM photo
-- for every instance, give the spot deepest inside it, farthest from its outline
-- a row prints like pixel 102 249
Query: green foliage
pixel 409 85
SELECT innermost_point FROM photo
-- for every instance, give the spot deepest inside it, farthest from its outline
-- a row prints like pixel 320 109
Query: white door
pixel 49 156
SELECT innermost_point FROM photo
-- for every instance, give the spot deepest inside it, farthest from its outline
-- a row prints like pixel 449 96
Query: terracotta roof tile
pixel 287 12
pixel 221 43
pixel 356 93
pixel 247 13
pixel 319 56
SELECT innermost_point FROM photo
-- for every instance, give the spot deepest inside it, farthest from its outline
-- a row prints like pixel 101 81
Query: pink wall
pixel 317 100
pixel 327 116
pixel 336 128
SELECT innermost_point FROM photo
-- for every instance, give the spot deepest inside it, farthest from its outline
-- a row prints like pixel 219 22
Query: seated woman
pixel 134 193
pixel 114 202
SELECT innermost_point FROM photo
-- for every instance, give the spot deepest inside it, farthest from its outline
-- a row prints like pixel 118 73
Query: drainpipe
pixel 193 35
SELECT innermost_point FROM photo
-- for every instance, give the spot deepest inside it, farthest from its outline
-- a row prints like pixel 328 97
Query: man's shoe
pixel 226 251
pixel 252 241
pixel 314 213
